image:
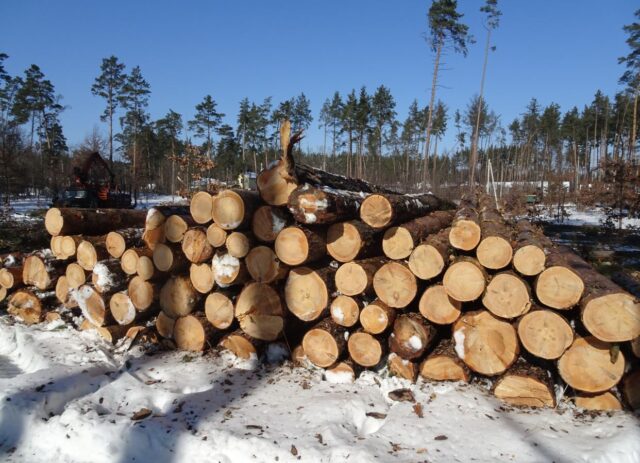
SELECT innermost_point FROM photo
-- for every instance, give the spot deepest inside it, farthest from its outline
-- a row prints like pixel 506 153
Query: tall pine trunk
pixel 474 143
pixel 430 116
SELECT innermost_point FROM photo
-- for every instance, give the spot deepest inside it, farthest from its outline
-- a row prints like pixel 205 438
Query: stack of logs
pixel 347 276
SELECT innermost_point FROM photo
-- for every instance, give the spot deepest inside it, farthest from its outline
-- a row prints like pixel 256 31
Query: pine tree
pixel 170 129
pixel 205 122
pixel 348 122
pixel 362 121
pixel 631 75
pixel 382 113
pixel 108 85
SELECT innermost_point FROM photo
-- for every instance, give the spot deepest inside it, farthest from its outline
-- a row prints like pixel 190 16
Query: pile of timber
pixel 348 276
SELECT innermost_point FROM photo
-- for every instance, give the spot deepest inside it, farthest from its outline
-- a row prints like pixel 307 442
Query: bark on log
pixel 178 297
pixel 631 389
pixel 92 222
pixel 321 205
pixel 219 308
pixel 529 255
pixel 377 317
pixel 587 365
pixel 27 305
pixel 507 295
pixel 395 285
pixel 239 244
pixel 355 278
pixel 402 368
pixel 193 333
pixel 307 292
pixel 364 349
pixel 233 208
pixel 487 345
pixel 260 312
pixel 545 334
pixel 170 258
pixel 605 401
pixel 525 385
pixel 129 259
pixel 399 242
pixel 11 277
pixel 201 207
pixel 264 266
pixel 268 221
pixel 90 252
pixel 345 311
pixel 164 325
pixel 117 242
pixel 196 247
pixel 412 335
pixel 324 343
pixel 559 286
pixel 465 280
pixel 300 246
pixel 444 365
pixel 438 307
pixel 429 258
pixel 107 276
pixel 216 236
pixel 347 241
pixel 176 226
pixel 228 271
pixel 383 210
pixel 201 277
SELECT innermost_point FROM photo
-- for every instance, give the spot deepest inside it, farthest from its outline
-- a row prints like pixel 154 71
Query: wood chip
pixel 402 395
pixel 141 414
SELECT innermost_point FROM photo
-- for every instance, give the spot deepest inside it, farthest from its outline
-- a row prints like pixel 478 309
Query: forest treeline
pixel 592 143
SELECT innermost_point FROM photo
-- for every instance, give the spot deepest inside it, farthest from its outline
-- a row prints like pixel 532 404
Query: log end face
pixel 201 207
pixel 494 252
pixel 426 262
pixel 465 235
pixel 559 288
pixel 438 307
pixel 397 243
pixel 507 296
pixel 53 221
pixel 320 348
pixel 343 242
pixel 345 311
pixel 612 317
pixel 228 209
pixel 306 294
pixel 464 281
pixel 364 349
pixel 524 391
pixel 219 310
pixel 529 260
pixel 545 334
pixel 376 211
pixel 351 279
pixel 395 285
pixel 292 246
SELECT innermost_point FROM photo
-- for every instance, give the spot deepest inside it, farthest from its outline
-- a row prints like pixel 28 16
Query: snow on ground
pixel 592 216
pixel 67 396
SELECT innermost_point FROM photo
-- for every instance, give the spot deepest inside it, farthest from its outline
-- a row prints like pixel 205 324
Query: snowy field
pixel 67 396
pixel 593 216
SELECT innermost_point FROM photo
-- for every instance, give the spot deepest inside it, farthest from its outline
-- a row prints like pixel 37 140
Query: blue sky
pixel 556 50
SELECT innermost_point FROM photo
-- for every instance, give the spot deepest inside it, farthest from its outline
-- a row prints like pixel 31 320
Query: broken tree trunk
pixel 260 312
pixel 487 345
pixel 347 241
pixel 442 364
pixel 525 385
pixel 299 246
pixel 383 210
pixel 588 365
pixel 438 307
pixel 355 278
pixel 395 285
pixel 307 292
pixel 545 334
pixel 507 295
pixel 398 242
pixel 412 335
pixel 92 222
pixel 324 343
pixel 321 205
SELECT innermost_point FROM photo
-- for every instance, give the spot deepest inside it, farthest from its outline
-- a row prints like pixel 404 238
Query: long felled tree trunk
pixel 430 117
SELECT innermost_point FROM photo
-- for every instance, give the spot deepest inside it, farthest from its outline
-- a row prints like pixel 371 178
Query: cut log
pixel 201 277
pixel 63 293
pixel 545 334
pixel 112 334
pixel 354 278
pixel 129 259
pixel 242 345
pixel 264 266
pixel 146 269
pixel 268 221
pixel 342 372
pixel 438 307
pixel 169 258
pixel 122 309
pixel 233 208
pixel 107 276
pixel 525 385
pixel 307 292
pixel 494 251
pixel 260 312
pixel 143 293
pixel 196 247
pixel 76 275
pixel 216 236
pixel 55 244
pixel 90 253
pixel 587 365
pixel 219 310
pixel 402 368
pixel 228 270
pixel 605 401
pixel 631 389
pixel 444 365
pixel 239 244
pixel 176 226
pixel 383 210
pixel 93 222
pixel 398 242
pixel 377 317
pixel 201 207
pixel 3 293
pixel 40 273
pixel 487 345
pixel 465 230
pixel 11 277
pixel 429 258
pixel 364 349
pixel 347 241
pixel 529 255
pixel 322 205
pixel 164 325
pixel 411 336
pixel 345 311
pixel 299 246
pixel 324 343
pixel 117 242
pixel 465 280
pixel 93 305
pixel 193 333
pixel 155 220
pixel 395 285
pixel 153 237
pixel 178 297
pixel 68 246
pixel 558 286
pixel 507 296
pixel 26 305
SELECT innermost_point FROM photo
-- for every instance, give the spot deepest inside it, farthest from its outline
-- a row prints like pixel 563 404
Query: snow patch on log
pixel 105 278
pixel 338 377
pixel 413 342
pixel 224 265
pixel 278 223
pixel 458 337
